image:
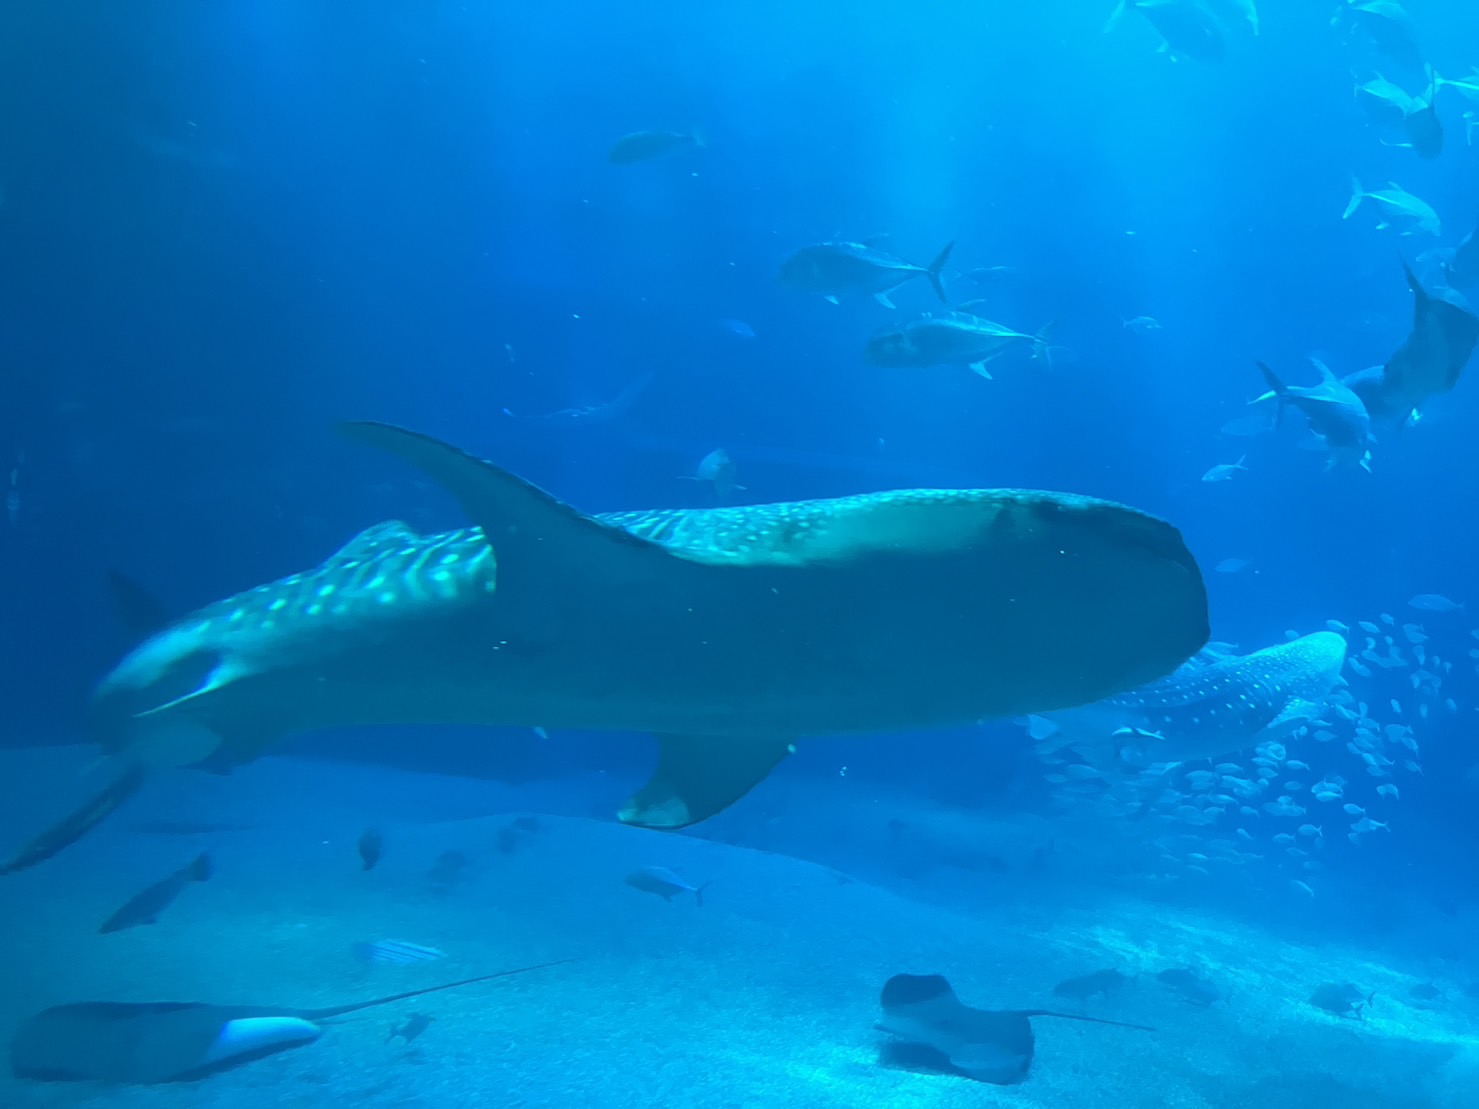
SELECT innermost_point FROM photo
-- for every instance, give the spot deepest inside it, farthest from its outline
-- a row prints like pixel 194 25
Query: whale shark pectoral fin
pixel 534 536
pixel 698 776
pixel 1295 715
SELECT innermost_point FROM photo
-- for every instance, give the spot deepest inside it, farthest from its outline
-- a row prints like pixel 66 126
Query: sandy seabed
pixel 765 996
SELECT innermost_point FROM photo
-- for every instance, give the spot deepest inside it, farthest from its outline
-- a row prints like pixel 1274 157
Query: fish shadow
pixel 918 1059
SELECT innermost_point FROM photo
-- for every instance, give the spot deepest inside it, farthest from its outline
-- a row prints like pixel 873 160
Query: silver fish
pixel 840 269
pixel 663 882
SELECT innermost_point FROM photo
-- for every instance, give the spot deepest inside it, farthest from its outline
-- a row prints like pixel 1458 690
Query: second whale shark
pixel 1205 709
pixel 727 632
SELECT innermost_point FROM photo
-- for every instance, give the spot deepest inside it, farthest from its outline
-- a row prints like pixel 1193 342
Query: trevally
pixel 948 339
pixel 1185 26
pixel 1335 414
pixel 1398 207
pixel 839 269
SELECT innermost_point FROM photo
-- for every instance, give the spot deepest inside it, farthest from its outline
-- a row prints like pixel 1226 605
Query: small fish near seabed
pixel 643 146
pixel 663 882
pixel 1341 999
pixel 1187 29
pixel 451 869
pixel 410 1030
pixel 950 339
pixel 144 1043
pixel 517 833
pixel 933 1030
pixel 841 269
pixel 1190 986
pixel 145 906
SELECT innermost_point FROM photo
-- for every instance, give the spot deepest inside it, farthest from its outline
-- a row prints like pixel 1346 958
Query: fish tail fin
pixel 1115 16
pixel 700 140
pixel 201 869
pixel 1281 391
pixel 1041 729
pixel 935 269
pixel 1358 193
pixel 1040 347
pixel 698 894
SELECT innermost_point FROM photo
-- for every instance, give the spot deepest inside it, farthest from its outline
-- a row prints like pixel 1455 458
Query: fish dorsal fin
pixel 375 540
pixel 535 538
pixel 1327 375
pixel 142 613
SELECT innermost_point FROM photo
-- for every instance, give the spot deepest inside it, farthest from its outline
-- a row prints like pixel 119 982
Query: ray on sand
pixel 143 1043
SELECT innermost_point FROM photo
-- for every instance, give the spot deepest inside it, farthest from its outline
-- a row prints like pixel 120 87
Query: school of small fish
pixel 1329 781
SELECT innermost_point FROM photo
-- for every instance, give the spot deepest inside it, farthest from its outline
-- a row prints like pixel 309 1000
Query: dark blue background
pixel 227 226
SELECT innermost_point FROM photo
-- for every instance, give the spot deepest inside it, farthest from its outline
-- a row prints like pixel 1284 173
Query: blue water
pixel 224 228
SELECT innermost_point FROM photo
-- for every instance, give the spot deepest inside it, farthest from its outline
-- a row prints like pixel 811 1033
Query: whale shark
pixel 727 632
pixel 1203 710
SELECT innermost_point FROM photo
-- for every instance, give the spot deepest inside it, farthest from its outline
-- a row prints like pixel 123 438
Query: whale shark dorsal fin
pixel 534 536
pixel 377 539
pixel 142 613
pixel 698 776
